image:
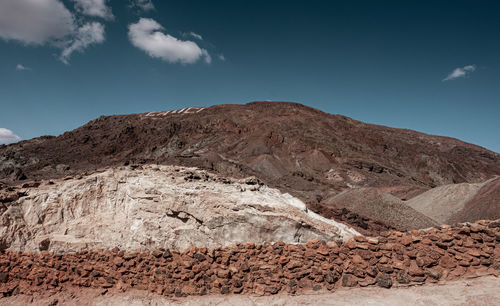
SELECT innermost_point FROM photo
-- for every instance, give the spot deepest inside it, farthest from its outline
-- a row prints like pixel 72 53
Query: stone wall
pixel 392 259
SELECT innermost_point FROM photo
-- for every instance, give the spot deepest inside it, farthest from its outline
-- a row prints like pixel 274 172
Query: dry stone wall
pixel 392 259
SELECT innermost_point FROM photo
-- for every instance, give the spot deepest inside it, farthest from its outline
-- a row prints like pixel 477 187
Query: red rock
pixel 312 244
pixel 398 265
pixel 118 261
pixel 250 245
pixel 426 241
pixel 351 244
pixel 259 289
pixel 459 271
pixel 474 252
pixel 385 268
pixel 356 259
pixel 406 240
pixel 322 251
pixel 414 270
pixel 360 238
pixel 447 262
pixel 349 281
pixel 362 246
pixel 331 244
pixel 387 246
pixel 88 268
pixel 293 264
pixel 383 260
pixel 368 281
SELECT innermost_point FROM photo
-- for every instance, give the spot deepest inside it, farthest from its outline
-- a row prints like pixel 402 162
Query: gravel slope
pixel 460 202
pixel 380 206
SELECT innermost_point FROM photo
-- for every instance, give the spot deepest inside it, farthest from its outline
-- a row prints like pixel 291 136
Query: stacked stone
pixel 392 259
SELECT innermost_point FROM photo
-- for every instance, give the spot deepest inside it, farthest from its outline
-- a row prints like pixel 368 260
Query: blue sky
pixel 431 66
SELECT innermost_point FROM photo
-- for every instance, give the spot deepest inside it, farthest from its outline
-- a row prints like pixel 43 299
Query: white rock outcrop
pixel 157 207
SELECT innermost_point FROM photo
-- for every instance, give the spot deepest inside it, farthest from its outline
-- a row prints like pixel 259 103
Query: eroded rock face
pixel 154 207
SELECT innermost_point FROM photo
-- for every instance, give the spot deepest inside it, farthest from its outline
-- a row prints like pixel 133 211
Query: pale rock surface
pixel 158 207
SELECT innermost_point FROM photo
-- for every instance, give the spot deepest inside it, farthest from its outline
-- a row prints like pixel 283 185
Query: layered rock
pixel 153 207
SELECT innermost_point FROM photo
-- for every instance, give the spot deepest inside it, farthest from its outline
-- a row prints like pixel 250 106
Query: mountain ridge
pixel 274 140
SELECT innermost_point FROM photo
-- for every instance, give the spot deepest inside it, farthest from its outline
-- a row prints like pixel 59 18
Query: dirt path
pixel 476 291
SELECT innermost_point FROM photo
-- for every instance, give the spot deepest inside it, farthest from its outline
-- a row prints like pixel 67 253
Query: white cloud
pixel 7 136
pixel 222 57
pixel 35 21
pixel 96 8
pixel 88 34
pixel 197 36
pixel 42 22
pixel 460 72
pixel 21 67
pixel 208 58
pixel 146 35
pixel 145 5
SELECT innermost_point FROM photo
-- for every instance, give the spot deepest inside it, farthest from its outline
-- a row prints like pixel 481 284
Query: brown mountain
pixel 308 153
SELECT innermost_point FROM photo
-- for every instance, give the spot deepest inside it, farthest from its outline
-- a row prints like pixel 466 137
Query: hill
pixel 302 151
pixel 460 202
pixel 289 145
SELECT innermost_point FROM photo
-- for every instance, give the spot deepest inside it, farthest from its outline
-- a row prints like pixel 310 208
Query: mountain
pixel 297 149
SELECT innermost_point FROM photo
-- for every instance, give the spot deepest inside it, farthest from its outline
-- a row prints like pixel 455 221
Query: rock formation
pixel 153 207
pixel 223 200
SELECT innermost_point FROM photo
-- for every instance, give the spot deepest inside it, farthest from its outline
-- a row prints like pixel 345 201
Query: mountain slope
pixel 298 149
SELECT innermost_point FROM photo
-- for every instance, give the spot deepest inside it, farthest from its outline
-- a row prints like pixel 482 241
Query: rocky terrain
pixel 392 259
pixel 238 200
pixel 153 207
pixel 294 148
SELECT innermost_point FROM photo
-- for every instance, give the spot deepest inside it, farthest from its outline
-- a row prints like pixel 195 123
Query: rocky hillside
pixel 295 148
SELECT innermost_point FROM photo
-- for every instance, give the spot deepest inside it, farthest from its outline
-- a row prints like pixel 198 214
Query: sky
pixel 430 66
